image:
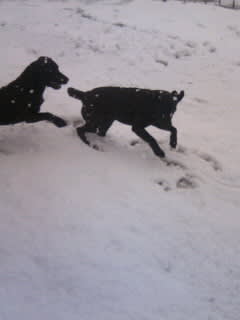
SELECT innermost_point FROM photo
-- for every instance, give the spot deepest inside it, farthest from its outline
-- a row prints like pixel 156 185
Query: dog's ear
pixel 181 95
pixel 177 96
pixel 43 60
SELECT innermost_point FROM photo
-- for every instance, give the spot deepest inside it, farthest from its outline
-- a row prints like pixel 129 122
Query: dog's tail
pixel 77 94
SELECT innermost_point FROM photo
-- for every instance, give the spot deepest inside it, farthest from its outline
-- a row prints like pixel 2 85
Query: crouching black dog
pixel 20 100
pixel 139 108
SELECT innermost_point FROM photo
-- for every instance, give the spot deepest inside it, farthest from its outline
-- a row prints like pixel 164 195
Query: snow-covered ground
pixel 119 234
pixel 230 3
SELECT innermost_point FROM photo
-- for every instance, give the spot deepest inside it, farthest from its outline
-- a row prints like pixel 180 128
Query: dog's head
pixel 169 101
pixel 176 97
pixel 48 72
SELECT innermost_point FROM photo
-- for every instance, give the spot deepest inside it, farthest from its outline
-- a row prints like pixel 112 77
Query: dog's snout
pixel 64 79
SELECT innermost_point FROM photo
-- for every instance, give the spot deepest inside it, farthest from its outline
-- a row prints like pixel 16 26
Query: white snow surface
pixel 118 233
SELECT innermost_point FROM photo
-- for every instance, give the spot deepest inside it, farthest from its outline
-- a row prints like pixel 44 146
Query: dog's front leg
pixel 173 137
pixel 168 127
pixel 143 134
pixel 45 116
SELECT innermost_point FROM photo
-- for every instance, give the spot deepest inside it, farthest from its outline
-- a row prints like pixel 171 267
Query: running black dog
pixel 20 101
pixel 139 108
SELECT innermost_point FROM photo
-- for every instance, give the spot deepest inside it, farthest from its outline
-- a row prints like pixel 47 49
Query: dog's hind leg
pixel 88 127
pixel 104 126
pixel 142 133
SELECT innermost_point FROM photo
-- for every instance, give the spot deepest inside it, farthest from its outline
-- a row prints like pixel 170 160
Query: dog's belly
pixel 126 118
pixel 131 118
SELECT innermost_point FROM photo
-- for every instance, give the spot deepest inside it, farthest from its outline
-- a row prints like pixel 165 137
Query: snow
pixel 119 233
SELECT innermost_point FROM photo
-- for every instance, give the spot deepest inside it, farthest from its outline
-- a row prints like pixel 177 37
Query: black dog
pixel 20 101
pixel 139 108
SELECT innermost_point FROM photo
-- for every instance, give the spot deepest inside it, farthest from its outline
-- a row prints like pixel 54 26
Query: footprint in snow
pixel 200 25
pixel 77 123
pixel 235 30
pixel 182 53
pixel 200 100
pixel 168 162
pixel 211 160
pixel 134 142
pixel 119 24
pixel 174 163
pixel 209 46
pixel 97 147
pixel 164 184
pixel 186 182
pixel 181 149
pixel 191 44
pixel 161 61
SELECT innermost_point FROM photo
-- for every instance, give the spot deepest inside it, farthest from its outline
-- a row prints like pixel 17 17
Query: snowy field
pixel 118 234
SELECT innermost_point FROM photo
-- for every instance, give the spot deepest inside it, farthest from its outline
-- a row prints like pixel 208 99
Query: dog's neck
pixel 28 82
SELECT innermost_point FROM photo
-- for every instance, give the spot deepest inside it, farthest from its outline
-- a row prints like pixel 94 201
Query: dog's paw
pixel 60 123
pixel 160 153
pixel 173 141
pixel 173 144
